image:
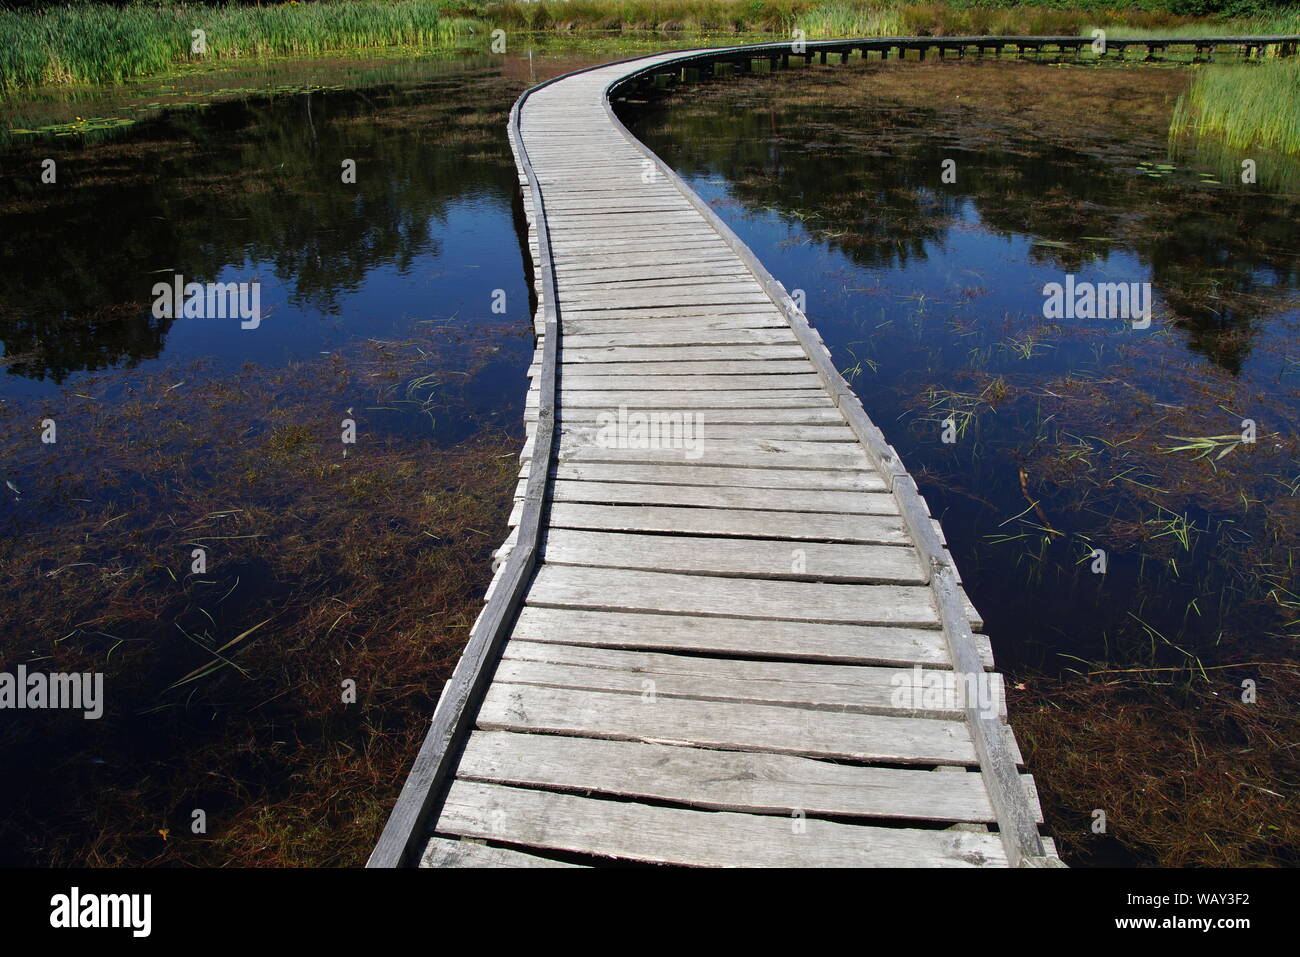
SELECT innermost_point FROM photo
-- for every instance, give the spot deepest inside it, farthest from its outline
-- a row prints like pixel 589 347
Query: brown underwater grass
pixel 368 568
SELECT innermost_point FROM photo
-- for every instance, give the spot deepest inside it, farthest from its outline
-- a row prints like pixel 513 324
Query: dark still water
pixel 930 296
pixel 271 541
pixel 254 189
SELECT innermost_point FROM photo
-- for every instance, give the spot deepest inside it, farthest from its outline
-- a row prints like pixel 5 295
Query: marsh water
pixel 930 294
pixel 401 303
pixel 396 305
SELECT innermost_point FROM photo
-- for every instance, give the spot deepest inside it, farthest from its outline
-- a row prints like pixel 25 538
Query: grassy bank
pixel 1243 106
pixel 102 44
pixel 95 43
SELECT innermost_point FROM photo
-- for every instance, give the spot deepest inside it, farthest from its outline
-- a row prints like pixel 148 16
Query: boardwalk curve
pixel 736 640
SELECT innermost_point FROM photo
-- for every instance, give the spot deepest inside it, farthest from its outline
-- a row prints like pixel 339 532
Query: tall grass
pixel 1248 105
pixel 707 16
pixel 1283 21
pixel 102 44
pixel 844 19
pixel 94 43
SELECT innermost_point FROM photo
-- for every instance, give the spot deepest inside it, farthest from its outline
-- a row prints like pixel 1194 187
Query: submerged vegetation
pixel 227 685
pixel 99 43
pixel 224 683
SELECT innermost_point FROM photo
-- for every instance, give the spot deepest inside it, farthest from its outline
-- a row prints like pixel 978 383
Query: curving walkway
pixel 734 645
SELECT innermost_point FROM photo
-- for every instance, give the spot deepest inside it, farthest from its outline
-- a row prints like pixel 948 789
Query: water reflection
pixel 930 297
pixel 252 189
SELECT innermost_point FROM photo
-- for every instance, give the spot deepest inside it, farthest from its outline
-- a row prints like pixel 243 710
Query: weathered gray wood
pixel 786 555
pixel 723 496
pixel 758 453
pixel 1014 810
pixel 701 838
pixel 740 557
pixel 722 780
pixel 770 320
pixel 659 337
pixel 687 356
pixel 775 639
pixel 869 689
pixel 727 725
pixel 650 399
pixel 659 473
pixel 616 589
pixel 796 526
pixel 801 415
pixel 444 852
pixel 708 430
pixel 577 381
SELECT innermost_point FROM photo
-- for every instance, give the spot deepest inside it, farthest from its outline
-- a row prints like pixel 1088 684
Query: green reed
pixel 102 44
pixel 1244 106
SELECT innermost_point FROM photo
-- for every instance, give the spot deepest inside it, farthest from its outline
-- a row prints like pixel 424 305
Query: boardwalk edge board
pixel 405 840
pixel 405 829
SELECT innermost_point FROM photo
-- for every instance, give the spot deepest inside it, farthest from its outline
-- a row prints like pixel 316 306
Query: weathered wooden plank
pixel 836 435
pixel 577 381
pixel 724 497
pixel 586 312
pixel 738 557
pixel 722 780
pixel 661 337
pixel 631 366
pixel 872 689
pixel 726 725
pixel 667 434
pixel 573 353
pixel 701 838
pixel 795 526
pixel 786 640
pixel 586 327
pixel 807 415
pixel 444 852
pixel 617 589
pixel 764 453
pixel 710 291
pixel 651 399
pixel 706 475
pixel 652 277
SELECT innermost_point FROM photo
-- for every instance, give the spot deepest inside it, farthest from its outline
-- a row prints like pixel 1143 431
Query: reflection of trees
pixel 866 181
pixel 196 190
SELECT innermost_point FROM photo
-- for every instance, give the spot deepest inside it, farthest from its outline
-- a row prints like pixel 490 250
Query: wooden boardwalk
pixel 740 641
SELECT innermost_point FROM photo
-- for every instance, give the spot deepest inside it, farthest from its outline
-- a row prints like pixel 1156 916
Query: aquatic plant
pixel 1248 105
pixel 94 43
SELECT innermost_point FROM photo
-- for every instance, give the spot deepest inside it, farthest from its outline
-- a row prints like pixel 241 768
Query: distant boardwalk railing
pixel 715 654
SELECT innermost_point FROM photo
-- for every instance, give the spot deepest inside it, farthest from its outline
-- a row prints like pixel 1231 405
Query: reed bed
pixel 1282 21
pixel 98 43
pixel 1244 106
pixel 102 44
pixel 845 18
